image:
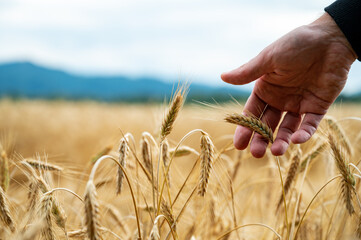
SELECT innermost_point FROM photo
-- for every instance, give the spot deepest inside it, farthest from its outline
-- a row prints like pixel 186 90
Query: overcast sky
pixel 170 39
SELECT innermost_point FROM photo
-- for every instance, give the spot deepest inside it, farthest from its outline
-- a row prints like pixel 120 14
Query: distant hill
pixel 27 80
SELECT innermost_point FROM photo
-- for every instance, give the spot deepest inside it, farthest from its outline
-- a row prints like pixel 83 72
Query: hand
pixel 301 74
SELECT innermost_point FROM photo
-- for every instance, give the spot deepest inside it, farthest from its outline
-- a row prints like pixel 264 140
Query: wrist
pixel 332 32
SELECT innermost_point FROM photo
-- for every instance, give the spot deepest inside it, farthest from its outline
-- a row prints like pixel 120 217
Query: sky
pixel 168 39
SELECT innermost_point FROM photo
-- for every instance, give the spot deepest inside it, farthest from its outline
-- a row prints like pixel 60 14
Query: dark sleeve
pixel 347 15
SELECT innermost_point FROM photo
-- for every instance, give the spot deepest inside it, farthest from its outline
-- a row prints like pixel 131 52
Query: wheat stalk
pixel 348 181
pixel 207 157
pixel 251 123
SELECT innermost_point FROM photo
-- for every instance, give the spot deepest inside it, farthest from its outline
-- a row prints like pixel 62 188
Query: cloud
pixel 199 39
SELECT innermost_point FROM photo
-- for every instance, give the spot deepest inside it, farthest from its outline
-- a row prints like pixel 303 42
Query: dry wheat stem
pixel 91 177
pixel 171 161
pixel 64 189
pixel 283 193
pixel 183 208
pixel 247 225
pixel 251 123
pixel 168 222
pixel 313 198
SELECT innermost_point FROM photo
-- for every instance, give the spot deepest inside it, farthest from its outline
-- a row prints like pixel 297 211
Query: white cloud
pixel 200 39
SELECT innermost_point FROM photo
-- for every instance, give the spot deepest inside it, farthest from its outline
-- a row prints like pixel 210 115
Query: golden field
pixel 241 197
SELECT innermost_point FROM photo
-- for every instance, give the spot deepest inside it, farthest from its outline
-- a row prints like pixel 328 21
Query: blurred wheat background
pixel 242 191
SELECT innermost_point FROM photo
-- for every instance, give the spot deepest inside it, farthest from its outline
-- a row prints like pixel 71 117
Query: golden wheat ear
pixel 251 123
pixel 348 181
pixel 123 152
pixel 173 110
pixel 91 212
pixel 207 157
pixel 5 212
pixel 291 174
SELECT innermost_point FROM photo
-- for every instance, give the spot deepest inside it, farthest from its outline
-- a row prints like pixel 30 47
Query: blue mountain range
pixel 27 80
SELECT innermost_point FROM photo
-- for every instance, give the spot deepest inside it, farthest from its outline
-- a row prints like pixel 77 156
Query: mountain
pixel 27 80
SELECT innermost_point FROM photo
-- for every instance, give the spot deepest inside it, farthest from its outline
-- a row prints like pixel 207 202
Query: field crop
pixel 90 170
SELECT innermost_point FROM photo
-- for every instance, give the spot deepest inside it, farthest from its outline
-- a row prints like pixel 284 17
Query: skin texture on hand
pixel 301 75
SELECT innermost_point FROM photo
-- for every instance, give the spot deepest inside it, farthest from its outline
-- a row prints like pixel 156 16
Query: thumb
pixel 248 72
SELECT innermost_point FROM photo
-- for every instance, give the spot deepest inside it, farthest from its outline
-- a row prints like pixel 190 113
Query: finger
pixel 248 72
pixel 242 135
pixel 259 144
pixel 289 125
pixel 307 129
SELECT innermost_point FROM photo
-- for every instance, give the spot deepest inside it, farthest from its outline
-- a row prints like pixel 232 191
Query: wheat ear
pixel 146 155
pixel 123 152
pixel 207 157
pixel 251 123
pixel 57 210
pixel 182 151
pixel 44 212
pixel 5 212
pixel 168 214
pixel 43 165
pixel 348 181
pixel 291 174
pixel 173 110
pixel 339 133
pixel 312 154
pixel 91 212
pixel 4 170
pixel 166 158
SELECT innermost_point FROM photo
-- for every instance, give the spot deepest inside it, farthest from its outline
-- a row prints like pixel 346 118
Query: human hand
pixel 301 74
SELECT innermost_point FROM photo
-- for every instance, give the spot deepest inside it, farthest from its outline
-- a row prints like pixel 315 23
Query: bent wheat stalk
pixel 92 175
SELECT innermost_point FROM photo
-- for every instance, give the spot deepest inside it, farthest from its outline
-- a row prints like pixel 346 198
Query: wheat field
pixel 87 170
